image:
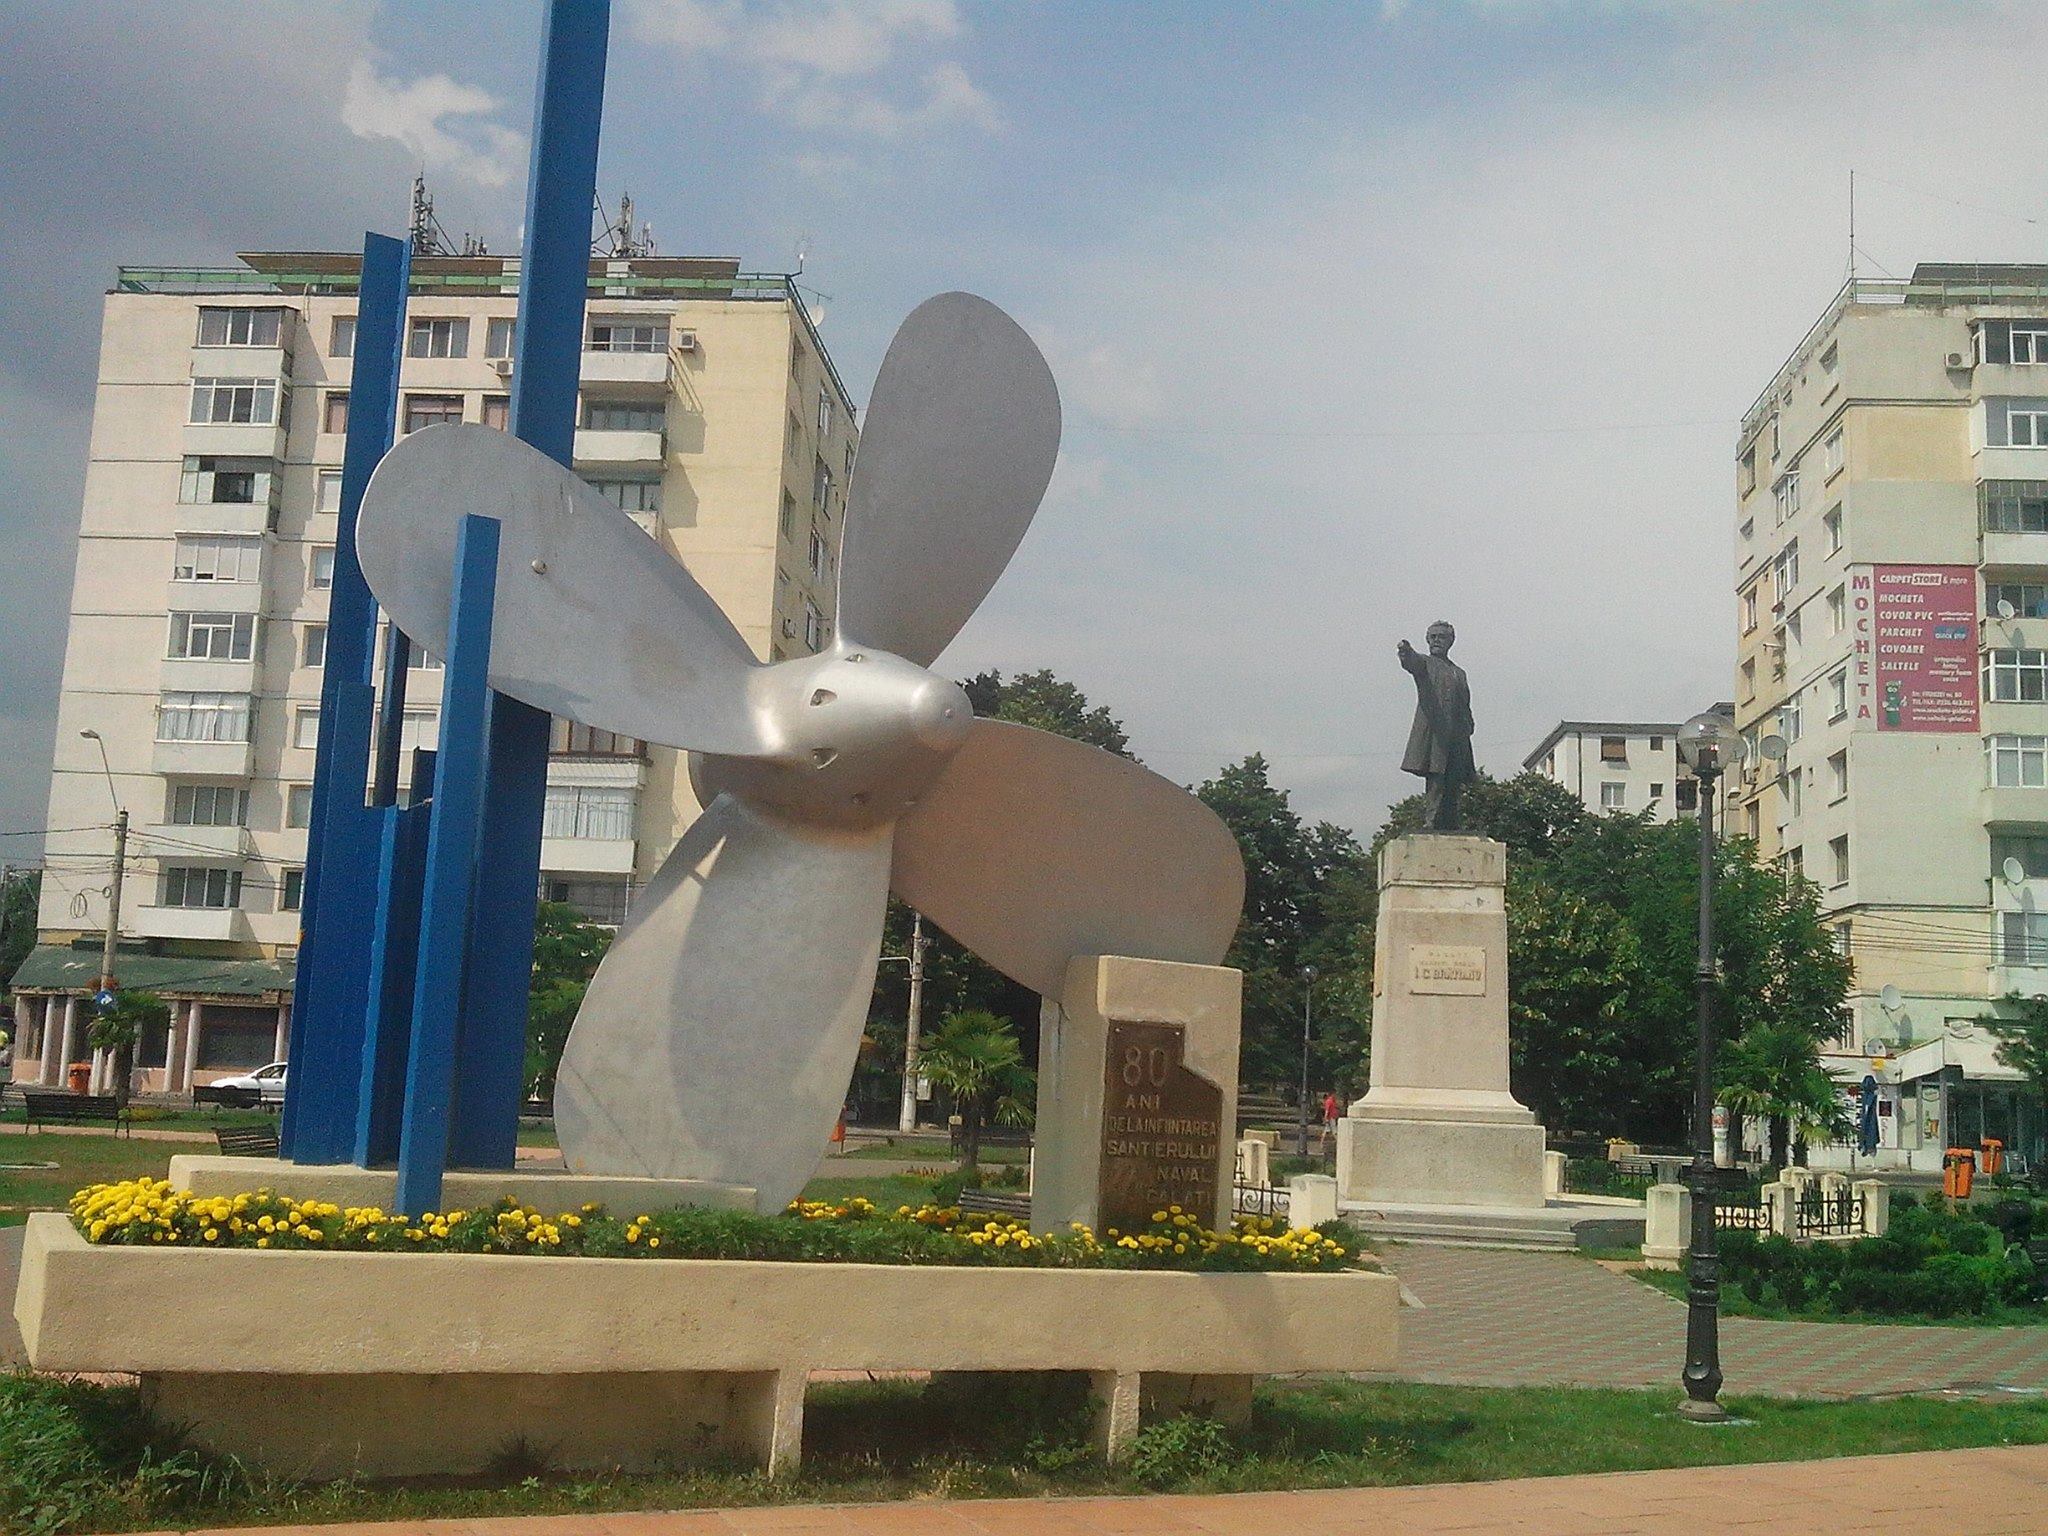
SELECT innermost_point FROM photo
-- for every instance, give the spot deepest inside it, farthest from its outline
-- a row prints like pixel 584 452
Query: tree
pixel 2022 1041
pixel 119 1027
pixel 1772 1071
pixel 566 952
pixel 975 1057
pixel 19 894
pixel 1051 704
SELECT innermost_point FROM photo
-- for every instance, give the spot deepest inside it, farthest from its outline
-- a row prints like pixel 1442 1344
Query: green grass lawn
pixel 80 1160
pixel 887 1193
pixel 197 1122
pixel 77 1458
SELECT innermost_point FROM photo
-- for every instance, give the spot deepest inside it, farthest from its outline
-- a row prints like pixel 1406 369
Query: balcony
pixel 239 439
pixel 210 676
pixel 586 855
pixel 204 759
pixel 242 363
pixel 217 924
pixel 246 517
pixel 625 367
pixel 597 449
pixel 197 845
pixel 215 597
pixel 2013 807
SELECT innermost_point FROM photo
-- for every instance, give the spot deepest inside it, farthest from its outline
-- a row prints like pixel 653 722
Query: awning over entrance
pixel 61 968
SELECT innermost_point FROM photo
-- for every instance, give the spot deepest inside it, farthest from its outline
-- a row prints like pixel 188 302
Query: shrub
pixel 1180 1450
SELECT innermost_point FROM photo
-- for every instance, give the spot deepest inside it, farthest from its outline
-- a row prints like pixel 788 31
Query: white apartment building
pixel 1892 584
pixel 709 410
pixel 1620 767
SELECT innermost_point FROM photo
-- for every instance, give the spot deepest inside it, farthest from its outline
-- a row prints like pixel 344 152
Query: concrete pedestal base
pixel 1441 1162
pixel 550 1190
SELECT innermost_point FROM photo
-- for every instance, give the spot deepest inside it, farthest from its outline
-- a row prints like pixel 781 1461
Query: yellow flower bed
pixel 150 1212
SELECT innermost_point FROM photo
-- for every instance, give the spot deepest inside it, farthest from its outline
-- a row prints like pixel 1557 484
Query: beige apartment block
pixel 1620 767
pixel 1892 588
pixel 709 411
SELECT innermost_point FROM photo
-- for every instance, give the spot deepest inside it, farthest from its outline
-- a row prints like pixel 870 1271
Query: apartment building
pixel 1892 589
pixel 709 411
pixel 1620 767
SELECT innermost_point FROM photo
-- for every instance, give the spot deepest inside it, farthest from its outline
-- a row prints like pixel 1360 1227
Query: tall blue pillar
pixel 554 274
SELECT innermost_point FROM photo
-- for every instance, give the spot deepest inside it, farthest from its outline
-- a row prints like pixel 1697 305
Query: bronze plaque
pixel 1162 1126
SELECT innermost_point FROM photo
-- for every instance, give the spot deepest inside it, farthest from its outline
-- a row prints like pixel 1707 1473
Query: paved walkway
pixel 1493 1317
pixel 1986 1493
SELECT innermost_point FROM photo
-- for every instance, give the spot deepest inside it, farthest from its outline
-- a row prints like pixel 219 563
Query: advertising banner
pixel 1915 647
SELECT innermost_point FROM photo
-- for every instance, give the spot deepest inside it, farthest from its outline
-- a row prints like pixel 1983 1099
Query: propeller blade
pixel 959 442
pixel 594 621
pixel 719 1034
pixel 1032 849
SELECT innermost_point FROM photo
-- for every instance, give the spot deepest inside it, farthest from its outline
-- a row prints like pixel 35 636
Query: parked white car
pixel 263 1086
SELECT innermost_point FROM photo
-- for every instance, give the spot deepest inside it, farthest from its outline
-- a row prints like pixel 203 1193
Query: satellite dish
pixel 1773 747
pixel 1889 998
pixel 2014 871
pixel 2006 610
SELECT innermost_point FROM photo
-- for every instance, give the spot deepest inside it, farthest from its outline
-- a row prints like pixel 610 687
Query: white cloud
pixel 844 66
pixel 442 121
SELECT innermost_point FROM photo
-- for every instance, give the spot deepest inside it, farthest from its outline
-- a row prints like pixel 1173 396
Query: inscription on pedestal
pixel 1447 970
pixel 1162 1127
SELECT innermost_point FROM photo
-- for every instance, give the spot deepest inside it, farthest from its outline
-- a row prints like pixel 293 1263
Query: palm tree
pixel 975 1057
pixel 1774 1070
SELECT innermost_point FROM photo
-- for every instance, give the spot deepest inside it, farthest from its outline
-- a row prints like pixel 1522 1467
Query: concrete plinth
pixel 1437 1124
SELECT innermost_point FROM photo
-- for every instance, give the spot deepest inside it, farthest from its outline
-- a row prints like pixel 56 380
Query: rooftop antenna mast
pixel 619 237
pixel 1852 223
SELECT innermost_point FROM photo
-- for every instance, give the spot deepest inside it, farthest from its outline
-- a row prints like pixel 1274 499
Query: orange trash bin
pixel 1994 1155
pixel 1958 1172
pixel 80 1076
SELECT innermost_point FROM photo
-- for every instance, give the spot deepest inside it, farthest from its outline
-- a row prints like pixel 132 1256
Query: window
pixel 2014 506
pixel 431 411
pixel 419 730
pixel 224 482
pixel 327 491
pixel 1838 696
pixel 824 415
pixel 1613 749
pixel 814 627
pixel 598 899
pixel 214 557
pixel 624 335
pixel 1749 610
pixel 2029 599
pixel 1745 473
pixel 2016 423
pixel 186 886
pixel 341 337
pixel 306 729
pixel 575 811
pixel 821 555
pixel 1831 456
pixel 786 523
pixel 568 738
pixel 623 416
pixel 220 402
pixel 1613 797
pixel 821 486
pixel 212 636
pixel 2016 675
pixel 795 434
pixel 313 646
pixel 1749 678
pixel 1831 527
pixel 796 357
pixel 320 573
pixel 1830 358
pixel 1687 797
pixel 334 411
pixel 417 659
pixel 1656 743
pixel 298 805
pixel 1656 793
pixel 1838 775
pixel 2013 341
pixel 203 717
pixel 1785 570
pixel 1786 495
pixel 498 412
pixel 239 327
pixel 209 805
pixel 437 338
pixel 1838 611
pixel 849 461
pixel 1789 719
pixel 1789 787
pixel 2023 938
pixel 500 332
pixel 291 890
pixel 1795 861
pixel 2029 848
pixel 630 495
pixel 2017 762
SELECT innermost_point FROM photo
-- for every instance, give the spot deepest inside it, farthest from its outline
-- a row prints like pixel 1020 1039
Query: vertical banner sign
pixel 1914 633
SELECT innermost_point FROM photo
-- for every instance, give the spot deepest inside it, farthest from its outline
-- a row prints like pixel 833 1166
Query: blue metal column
pixel 554 274
pixel 453 839
pixel 329 992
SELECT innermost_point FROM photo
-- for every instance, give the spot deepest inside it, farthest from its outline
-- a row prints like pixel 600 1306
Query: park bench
pixel 54 1108
pixel 247 1141
pixel 991 1202
pixel 2037 1253
pixel 993 1136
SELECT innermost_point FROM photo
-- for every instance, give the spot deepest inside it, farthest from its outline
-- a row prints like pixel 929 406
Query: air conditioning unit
pixel 1960 360
pixel 503 367
pixel 683 341
pixel 789 629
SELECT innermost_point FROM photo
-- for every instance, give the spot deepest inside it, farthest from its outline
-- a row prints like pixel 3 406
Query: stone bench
pixel 325 1364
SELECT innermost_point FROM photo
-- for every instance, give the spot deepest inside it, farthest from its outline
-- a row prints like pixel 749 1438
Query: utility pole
pixel 1308 1006
pixel 124 1060
pixel 907 1120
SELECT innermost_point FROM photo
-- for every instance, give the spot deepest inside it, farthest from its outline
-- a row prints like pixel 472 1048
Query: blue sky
pixel 1362 314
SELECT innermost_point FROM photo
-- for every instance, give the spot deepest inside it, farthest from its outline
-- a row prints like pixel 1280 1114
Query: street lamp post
pixel 1308 1005
pixel 1706 742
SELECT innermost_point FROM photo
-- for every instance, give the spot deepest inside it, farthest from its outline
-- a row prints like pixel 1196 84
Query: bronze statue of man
pixel 1440 742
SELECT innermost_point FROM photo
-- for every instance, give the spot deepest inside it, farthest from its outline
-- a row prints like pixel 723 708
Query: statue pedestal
pixel 1437 1125
pixel 1137 1094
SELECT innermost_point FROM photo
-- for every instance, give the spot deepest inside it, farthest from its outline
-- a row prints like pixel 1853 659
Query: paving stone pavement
pixel 1494 1317
pixel 1983 1492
